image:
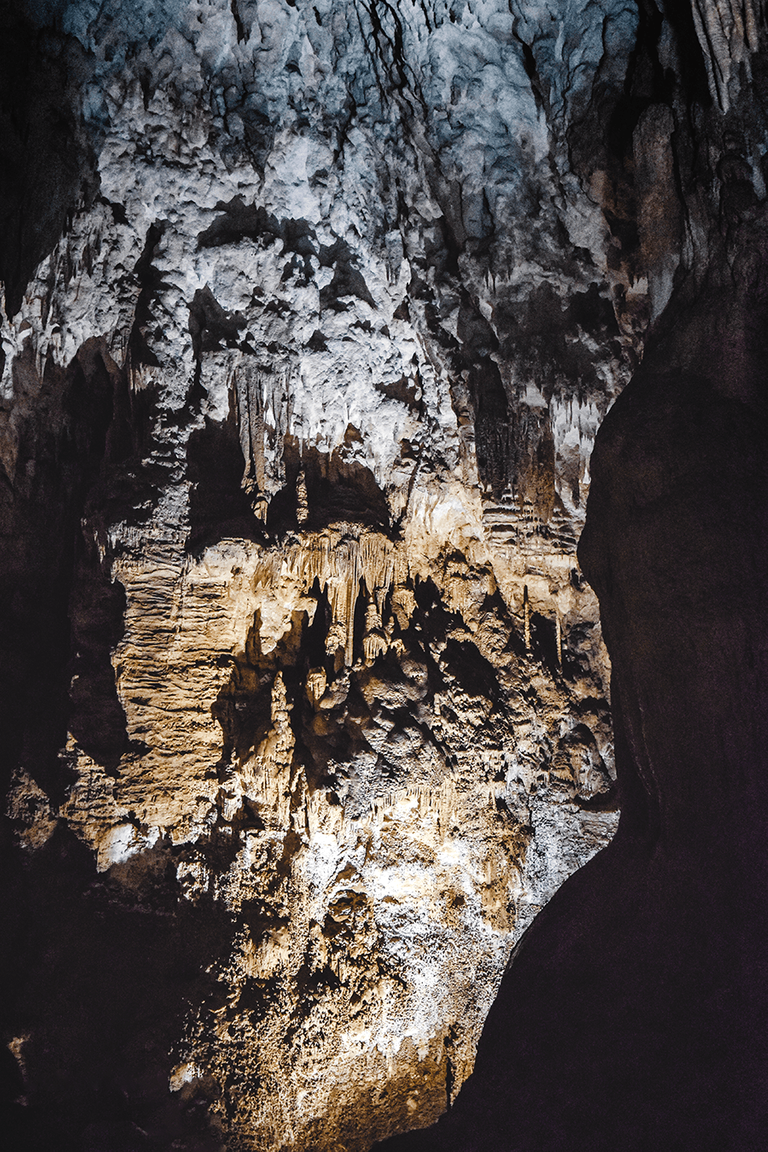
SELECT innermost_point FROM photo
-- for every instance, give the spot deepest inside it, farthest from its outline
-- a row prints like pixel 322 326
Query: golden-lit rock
pixel 309 705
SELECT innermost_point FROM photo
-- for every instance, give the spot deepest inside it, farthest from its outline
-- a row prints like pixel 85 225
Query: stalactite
pixel 526 619
pixel 728 34
pixel 558 640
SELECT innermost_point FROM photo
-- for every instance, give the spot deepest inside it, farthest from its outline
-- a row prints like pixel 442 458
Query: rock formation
pixel 311 315
pixel 633 1014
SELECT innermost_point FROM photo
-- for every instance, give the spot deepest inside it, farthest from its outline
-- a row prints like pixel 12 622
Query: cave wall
pixel 633 1012
pixel 312 313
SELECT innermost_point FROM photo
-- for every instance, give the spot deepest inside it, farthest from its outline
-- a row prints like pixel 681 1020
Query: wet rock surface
pixel 307 709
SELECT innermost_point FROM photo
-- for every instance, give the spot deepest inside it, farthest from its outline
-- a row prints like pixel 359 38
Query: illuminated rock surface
pixel 312 313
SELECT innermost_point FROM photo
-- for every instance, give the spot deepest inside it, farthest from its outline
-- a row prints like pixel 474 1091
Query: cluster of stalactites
pixel 728 34
pixel 342 565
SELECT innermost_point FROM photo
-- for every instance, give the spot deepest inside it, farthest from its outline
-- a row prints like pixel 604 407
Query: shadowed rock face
pixel 634 1012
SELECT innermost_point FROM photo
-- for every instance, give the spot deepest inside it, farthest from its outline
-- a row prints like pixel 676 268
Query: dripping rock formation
pixel 311 314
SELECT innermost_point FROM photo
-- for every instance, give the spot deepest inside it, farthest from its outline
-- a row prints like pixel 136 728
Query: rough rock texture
pixel 311 315
pixel 633 1013
pixel 647 1028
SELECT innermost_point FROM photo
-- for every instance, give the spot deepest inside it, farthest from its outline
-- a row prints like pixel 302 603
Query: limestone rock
pixel 302 369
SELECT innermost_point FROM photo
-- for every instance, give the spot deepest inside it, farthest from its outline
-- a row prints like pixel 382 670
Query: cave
pixel 384 517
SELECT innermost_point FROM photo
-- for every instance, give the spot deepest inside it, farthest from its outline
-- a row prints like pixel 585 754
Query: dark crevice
pixel 97 606
pixel 241 33
pixel 41 522
pixel 218 505
pixel 47 163
pixel 150 283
